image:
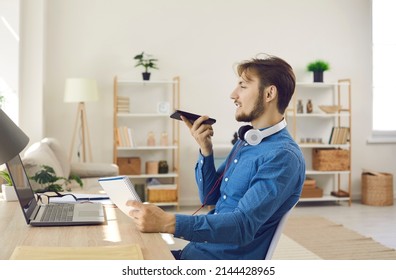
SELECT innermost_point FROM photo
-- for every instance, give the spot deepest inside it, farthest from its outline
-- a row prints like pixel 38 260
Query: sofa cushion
pixel 59 153
pixel 37 155
pixel 90 170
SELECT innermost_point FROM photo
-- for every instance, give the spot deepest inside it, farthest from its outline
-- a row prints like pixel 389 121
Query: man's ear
pixel 271 93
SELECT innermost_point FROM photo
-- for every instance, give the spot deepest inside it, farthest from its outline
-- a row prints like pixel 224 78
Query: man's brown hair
pixel 275 71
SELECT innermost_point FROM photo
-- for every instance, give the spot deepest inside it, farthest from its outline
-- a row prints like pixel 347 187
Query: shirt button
pixel 226 179
pixel 235 160
pixel 224 197
pixel 201 161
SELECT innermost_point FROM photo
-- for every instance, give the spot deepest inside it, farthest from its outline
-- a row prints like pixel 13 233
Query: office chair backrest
pixel 277 234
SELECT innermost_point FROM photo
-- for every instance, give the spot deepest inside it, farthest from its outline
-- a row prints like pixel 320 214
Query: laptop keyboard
pixel 58 213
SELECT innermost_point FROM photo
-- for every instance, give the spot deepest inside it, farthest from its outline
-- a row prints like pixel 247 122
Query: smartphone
pixel 190 116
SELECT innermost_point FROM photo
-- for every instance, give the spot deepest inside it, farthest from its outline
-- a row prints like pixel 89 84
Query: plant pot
pixel 146 76
pixel 8 192
pixel 318 76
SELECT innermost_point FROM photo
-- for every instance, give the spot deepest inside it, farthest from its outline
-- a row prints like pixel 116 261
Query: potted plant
pixel 318 67
pixel 50 182
pixel 148 62
pixel 7 188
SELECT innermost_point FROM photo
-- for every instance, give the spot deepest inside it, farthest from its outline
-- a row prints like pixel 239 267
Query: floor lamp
pixel 81 90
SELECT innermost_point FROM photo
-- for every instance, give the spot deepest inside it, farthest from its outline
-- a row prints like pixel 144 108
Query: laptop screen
pixel 22 186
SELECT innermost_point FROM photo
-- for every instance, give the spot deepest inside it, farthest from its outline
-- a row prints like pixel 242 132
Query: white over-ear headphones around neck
pixel 255 136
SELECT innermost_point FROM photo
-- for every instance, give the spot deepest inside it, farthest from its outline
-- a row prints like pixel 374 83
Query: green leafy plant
pixel 2 100
pixel 146 60
pixel 50 182
pixel 6 176
pixel 318 66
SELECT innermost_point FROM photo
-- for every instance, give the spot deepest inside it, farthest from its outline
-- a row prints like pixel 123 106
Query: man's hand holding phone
pixel 202 133
pixel 200 128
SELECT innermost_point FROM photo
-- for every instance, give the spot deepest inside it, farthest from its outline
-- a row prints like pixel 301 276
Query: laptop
pixel 37 214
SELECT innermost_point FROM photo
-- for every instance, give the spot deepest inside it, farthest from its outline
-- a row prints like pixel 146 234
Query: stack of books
pixel 339 135
pixel 122 104
pixel 310 189
pixel 124 137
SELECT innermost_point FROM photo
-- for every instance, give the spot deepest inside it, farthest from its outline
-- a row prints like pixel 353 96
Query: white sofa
pixel 50 152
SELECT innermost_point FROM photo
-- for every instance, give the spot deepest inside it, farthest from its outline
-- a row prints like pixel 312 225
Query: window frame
pixel 378 136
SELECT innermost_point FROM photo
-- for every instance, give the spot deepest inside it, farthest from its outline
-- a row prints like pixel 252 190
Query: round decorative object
pixel 163 107
pixel 330 109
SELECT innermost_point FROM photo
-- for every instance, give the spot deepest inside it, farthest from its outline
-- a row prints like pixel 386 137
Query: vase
pixel 300 107
pixel 309 106
pixel 318 76
pixel 146 76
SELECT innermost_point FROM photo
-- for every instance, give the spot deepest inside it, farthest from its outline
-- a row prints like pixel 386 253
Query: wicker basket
pixel 377 189
pixel 161 195
pixel 330 159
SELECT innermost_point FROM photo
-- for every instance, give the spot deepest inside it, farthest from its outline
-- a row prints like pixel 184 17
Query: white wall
pixel 31 70
pixel 201 41
pixel 9 56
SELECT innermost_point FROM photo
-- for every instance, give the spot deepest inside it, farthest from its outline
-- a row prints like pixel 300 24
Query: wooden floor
pixel 376 222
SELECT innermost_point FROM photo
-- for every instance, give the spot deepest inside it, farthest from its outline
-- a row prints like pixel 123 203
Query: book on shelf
pixel 124 137
pixel 123 104
pixel 339 135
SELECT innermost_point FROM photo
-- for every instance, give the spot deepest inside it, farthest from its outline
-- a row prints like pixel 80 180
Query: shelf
pixel 142 115
pixel 319 115
pixel 166 203
pixel 323 126
pixel 323 146
pixel 146 176
pixel 316 172
pixel 139 112
pixel 321 85
pixel 141 82
pixel 324 198
pixel 146 148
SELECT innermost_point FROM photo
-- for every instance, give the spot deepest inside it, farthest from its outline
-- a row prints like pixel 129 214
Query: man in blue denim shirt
pixel 255 186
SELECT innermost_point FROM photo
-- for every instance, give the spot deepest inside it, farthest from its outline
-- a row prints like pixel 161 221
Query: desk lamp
pixel 81 90
pixel 12 139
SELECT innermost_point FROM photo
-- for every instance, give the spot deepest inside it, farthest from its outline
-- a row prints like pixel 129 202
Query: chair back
pixel 277 234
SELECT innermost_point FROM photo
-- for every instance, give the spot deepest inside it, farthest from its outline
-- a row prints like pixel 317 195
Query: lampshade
pixel 12 138
pixel 80 90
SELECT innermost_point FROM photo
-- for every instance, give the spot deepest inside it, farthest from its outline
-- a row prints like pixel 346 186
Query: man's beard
pixel 257 111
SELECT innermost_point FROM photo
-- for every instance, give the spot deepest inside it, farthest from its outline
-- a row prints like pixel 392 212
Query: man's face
pixel 249 103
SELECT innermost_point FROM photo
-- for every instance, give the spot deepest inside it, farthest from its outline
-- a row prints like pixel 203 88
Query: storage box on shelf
pixel 319 118
pixel 330 159
pixel 310 189
pixel 145 138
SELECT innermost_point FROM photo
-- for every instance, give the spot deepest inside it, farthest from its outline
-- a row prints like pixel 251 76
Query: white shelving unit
pixel 313 131
pixel 150 105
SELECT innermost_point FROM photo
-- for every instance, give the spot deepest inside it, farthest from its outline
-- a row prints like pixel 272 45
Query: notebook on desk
pixel 56 214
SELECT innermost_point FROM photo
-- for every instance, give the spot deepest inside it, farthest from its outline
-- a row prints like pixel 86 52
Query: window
pixel 384 61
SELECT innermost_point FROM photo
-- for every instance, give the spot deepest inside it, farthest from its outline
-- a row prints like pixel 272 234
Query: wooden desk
pixel 119 230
